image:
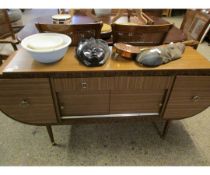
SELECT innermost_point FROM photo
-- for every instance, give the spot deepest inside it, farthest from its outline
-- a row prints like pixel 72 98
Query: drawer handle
pixel 24 103
pixel 160 104
pixel 62 107
pixel 195 98
pixel 84 85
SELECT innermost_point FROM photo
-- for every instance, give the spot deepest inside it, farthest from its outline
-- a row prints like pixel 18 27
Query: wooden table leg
pixel 165 129
pixel 50 133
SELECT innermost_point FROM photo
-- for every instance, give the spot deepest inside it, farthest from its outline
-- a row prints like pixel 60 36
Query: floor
pixel 124 144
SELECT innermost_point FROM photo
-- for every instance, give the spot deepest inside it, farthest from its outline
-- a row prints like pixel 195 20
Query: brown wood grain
pixel 77 83
pixel 77 32
pixel 136 101
pixel 5 64
pixel 174 35
pixel 104 94
pixel 83 102
pixel 23 63
pixel 123 94
pixel 149 35
pixel 141 82
pixel 34 91
pixel 181 103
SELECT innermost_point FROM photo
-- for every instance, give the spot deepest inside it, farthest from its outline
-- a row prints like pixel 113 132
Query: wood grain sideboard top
pixel 23 63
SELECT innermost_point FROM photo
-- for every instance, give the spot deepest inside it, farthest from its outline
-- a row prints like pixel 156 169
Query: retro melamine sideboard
pixel 67 92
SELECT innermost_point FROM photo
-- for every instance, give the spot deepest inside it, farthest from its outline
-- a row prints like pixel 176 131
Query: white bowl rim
pixel 23 42
pixel 61 17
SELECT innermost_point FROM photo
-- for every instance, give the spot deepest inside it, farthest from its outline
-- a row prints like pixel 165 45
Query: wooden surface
pixel 136 101
pixel 110 95
pixel 112 83
pixel 140 83
pixel 195 23
pixel 82 96
pixel 190 95
pixel 62 84
pixel 27 100
pixel 102 95
pixel 6 27
pixel 22 62
pixel 76 32
pixel 87 102
pixel 5 63
pixel 7 35
pixel 138 94
pixel 140 35
pixel 187 20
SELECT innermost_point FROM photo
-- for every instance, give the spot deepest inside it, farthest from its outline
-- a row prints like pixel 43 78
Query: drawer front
pixel 82 83
pixel 27 100
pixel 136 101
pixel 190 96
pixel 192 82
pixel 146 82
pixel 74 103
pixel 112 83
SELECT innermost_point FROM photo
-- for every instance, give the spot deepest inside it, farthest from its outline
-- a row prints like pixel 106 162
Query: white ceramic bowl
pixel 61 19
pixel 46 47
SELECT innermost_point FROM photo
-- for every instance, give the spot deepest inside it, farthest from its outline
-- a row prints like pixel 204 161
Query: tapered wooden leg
pixel 50 133
pixel 165 129
pixel 14 47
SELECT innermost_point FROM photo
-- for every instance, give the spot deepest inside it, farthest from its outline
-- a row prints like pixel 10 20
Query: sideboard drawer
pixel 113 83
pixel 141 82
pixel 190 95
pixel 192 82
pixel 98 83
pixel 27 100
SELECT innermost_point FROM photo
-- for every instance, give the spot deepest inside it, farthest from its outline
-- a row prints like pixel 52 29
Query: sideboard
pixel 67 92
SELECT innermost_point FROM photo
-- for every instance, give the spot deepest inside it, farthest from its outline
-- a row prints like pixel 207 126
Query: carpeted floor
pixel 122 144
pixel 187 142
